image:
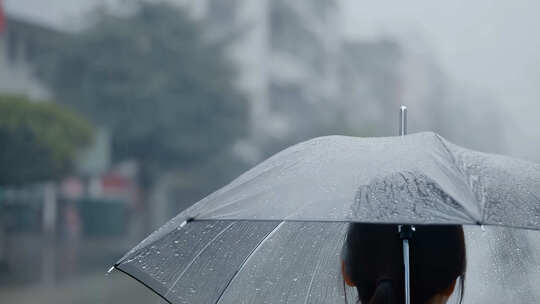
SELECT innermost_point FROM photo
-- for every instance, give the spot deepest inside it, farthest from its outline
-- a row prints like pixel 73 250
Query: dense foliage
pixel 39 140
pixel 164 92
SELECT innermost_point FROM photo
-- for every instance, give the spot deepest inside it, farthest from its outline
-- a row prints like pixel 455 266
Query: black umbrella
pixel 274 234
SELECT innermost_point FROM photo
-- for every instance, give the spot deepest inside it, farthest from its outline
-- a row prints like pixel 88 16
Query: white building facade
pixel 286 52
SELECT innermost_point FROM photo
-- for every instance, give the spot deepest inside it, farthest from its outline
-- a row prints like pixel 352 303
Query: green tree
pixel 165 93
pixel 38 140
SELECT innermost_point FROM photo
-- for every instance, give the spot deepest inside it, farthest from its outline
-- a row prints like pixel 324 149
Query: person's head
pixel 373 263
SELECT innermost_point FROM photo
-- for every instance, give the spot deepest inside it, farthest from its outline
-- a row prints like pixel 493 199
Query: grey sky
pixel 488 45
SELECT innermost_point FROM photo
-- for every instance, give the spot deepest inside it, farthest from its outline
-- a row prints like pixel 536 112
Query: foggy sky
pixel 493 46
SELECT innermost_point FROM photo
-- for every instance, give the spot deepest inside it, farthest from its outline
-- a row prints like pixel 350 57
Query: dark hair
pixel 373 262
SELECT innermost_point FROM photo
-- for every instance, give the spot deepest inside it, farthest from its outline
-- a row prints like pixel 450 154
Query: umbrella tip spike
pixel 402 120
pixel 110 270
pixel 188 220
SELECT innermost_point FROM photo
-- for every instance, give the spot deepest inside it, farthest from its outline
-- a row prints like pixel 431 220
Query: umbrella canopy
pixel 274 234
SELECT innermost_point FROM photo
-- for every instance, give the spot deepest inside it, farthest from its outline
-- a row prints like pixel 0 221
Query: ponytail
pixel 384 293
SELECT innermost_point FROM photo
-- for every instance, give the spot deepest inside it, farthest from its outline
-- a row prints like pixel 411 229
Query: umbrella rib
pixel 196 256
pixel 246 260
pixel 463 173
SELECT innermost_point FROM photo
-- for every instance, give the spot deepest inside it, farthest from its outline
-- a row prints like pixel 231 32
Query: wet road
pixel 84 289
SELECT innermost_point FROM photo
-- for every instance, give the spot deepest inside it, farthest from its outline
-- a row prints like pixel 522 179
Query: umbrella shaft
pixel 405 231
pixel 407 271
pixel 402 120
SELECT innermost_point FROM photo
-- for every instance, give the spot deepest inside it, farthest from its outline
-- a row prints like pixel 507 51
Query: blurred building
pixel 27 25
pixel 19 43
pixel 287 53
